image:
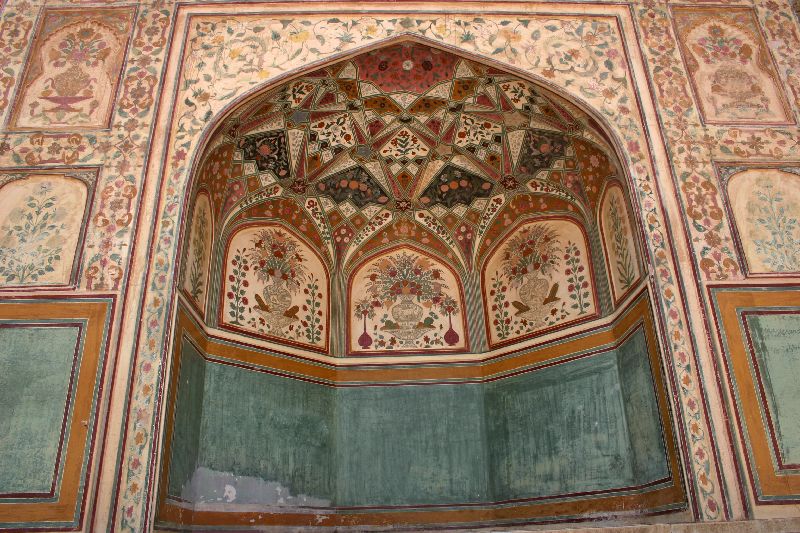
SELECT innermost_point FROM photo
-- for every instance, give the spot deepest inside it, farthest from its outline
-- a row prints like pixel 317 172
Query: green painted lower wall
pixel 641 412
pixel 558 430
pixel 776 344
pixel 271 428
pixel 188 416
pixel 410 445
pixel 585 425
pixel 35 367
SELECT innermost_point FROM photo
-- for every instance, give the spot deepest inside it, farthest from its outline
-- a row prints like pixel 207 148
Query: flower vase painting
pixel 405 302
pixel 73 76
pixel 275 287
pixel 729 64
pixel 539 277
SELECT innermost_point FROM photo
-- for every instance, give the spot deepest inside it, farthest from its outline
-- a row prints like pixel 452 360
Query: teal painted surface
pixel 776 342
pixel 35 366
pixel 584 425
pixel 268 427
pixel 410 445
pixel 641 411
pixel 558 430
pixel 188 416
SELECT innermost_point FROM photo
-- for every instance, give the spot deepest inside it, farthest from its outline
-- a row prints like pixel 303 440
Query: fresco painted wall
pixel 196 267
pixel 619 243
pixel 72 77
pixel 573 424
pixel 132 111
pixel 405 301
pixel 763 203
pixel 41 223
pixel 540 276
pixel 275 286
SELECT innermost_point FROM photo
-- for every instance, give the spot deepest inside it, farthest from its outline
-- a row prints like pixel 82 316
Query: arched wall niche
pixel 445 158
pixel 413 173
pixel 274 285
pixel 538 277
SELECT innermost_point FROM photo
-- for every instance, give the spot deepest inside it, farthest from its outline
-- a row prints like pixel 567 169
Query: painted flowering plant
pixel 717 46
pixel 447 304
pixel 276 255
pixel 405 274
pixel 534 249
pixel 84 46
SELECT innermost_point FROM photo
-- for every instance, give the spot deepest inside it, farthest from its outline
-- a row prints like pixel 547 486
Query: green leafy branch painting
pixel 29 248
pixel 198 245
pixel 780 250
pixel 623 260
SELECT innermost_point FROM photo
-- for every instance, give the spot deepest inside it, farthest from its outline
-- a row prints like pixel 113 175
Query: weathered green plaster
pixel 410 445
pixel 35 366
pixel 776 342
pixel 641 411
pixel 188 416
pixel 589 424
pixel 558 430
pixel 268 427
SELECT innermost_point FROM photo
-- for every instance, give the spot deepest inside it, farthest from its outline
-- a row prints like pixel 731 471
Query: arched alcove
pixel 458 229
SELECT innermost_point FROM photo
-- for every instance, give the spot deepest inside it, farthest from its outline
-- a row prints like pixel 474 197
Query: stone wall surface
pixel 656 143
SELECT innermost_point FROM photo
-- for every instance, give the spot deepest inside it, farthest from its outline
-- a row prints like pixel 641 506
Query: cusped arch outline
pixel 337 378
pixel 292 306
pixel 436 299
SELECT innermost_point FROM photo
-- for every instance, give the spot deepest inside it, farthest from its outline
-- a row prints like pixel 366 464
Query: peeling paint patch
pixel 210 486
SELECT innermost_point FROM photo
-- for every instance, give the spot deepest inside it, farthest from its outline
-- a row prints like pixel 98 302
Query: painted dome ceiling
pixel 404 144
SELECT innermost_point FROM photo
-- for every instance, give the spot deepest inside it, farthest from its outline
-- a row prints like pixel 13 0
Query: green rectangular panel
pixel 188 416
pixel 558 430
pixel 269 437
pixel 410 445
pixel 273 440
pixel 641 411
pixel 776 343
pixel 35 367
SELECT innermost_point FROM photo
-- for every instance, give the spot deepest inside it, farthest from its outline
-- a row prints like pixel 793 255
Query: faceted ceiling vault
pixel 410 150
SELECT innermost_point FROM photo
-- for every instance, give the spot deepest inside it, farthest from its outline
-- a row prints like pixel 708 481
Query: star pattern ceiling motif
pixel 406 128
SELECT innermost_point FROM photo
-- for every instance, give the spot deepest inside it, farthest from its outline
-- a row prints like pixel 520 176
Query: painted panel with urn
pixel 275 286
pixel 539 277
pixel 405 301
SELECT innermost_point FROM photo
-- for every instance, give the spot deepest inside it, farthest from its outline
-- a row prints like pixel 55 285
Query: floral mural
pixel 766 208
pixel 275 286
pixel 40 227
pixel 198 254
pixel 618 242
pixel 405 302
pixel 615 58
pixel 733 75
pixel 73 77
pixel 538 278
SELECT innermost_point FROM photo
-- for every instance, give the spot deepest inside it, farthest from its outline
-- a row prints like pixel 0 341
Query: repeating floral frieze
pixel 124 152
